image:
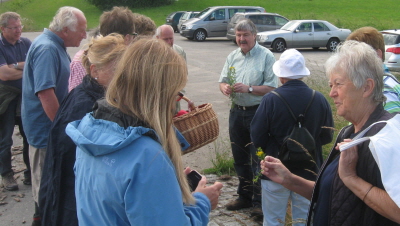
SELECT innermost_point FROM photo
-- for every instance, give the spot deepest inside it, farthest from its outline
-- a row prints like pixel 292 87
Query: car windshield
pixel 185 16
pixel 291 25
pixel 171 15
pixel 203 13
pixel 390 39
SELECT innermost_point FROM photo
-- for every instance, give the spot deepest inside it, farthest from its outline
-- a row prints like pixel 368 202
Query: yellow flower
pixel 260 154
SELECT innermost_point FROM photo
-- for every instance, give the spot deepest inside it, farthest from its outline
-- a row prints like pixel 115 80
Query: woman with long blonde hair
pixel 57 190
pixel 128 165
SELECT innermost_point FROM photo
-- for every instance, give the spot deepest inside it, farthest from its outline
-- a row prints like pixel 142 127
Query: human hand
pixel 274 170
pixel 347 162
pixel 240 88
pixel 187 170
pixel 212 192
pixel 226 89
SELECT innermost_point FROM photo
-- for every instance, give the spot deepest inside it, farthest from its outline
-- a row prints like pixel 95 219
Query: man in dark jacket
pixel 273 122
pixel 13 49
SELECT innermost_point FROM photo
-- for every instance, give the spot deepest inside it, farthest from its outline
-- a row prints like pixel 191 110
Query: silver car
pixel 263 22
pixel 186 16
pixel 392 49
pixel 304 33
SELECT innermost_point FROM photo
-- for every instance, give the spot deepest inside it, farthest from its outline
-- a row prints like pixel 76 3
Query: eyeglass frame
pixel 15 28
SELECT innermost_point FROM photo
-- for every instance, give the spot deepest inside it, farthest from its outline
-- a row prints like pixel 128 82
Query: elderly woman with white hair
pixel 348 189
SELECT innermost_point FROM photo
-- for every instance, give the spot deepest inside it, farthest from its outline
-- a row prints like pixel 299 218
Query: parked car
pixel 304 33
pixel 173 19
pixel 263 22
pixel 185 17
pixel 213 21
pixel 392 49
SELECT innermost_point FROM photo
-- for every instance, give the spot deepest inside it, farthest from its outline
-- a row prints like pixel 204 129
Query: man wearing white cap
pixel 273 122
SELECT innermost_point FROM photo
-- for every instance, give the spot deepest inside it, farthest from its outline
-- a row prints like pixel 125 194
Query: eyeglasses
pixel 179 96
pixel 16 28
pixel 134 34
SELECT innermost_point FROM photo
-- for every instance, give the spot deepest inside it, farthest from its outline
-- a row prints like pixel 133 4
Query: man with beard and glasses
pixel 253 78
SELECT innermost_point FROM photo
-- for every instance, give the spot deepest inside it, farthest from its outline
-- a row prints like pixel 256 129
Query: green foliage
pixel 222 161
pixel 108 4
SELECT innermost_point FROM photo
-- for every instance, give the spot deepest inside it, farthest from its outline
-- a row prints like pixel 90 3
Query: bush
pixel 108 4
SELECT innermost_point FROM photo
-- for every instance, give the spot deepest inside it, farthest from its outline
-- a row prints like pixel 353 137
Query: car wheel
pixel 200 35
pixel 332 44
pixel 279 45
pixel 315 48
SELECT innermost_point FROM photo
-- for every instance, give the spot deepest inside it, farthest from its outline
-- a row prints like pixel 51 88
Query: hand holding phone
pixel 194 178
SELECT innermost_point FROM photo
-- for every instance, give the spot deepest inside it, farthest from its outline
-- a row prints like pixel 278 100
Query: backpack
pixel 298 148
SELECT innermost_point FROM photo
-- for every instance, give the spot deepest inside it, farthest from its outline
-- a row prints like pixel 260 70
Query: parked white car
pixel 304 33
pixel 392 49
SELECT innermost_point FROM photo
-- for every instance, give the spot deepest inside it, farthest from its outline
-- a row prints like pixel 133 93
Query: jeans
pixel 244 154
pixel 25 150
pixel 275 199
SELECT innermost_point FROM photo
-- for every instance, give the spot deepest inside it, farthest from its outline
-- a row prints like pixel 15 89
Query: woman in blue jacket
pixel 128 164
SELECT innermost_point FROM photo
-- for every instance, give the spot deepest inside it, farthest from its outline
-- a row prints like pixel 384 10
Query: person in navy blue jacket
pixel 273 122
pixel 57 190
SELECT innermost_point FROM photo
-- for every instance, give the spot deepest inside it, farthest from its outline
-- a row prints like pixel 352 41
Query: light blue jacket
pixel 124 177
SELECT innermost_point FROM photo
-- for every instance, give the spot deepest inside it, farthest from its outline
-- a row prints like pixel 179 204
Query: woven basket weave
pixel 199 126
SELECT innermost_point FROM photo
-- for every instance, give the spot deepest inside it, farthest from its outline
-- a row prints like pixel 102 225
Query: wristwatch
pixel 15 66
pixel 250 89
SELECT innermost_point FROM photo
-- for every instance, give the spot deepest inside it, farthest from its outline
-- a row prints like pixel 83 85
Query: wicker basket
pixel 199 126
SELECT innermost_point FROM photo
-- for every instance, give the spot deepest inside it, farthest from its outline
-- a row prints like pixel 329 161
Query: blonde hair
pixel 147 80
pixel 103 50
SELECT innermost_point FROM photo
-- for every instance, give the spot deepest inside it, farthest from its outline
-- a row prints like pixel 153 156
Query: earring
pixel 96 78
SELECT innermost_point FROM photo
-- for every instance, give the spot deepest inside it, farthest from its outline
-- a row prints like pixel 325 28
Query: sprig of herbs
pixel 231 81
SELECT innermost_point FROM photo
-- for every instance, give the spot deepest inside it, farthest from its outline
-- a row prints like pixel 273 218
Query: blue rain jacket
pixel 124 177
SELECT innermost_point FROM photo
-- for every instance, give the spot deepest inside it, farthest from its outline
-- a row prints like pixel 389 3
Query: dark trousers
pixel 7 122
pixel 25 150
pixel 246 163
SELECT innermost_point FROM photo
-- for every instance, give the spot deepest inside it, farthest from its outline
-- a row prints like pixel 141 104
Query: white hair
pixel 358 61
pixel 160 28
pixel 65 17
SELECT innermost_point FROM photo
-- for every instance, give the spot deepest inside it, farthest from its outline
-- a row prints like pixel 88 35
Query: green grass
pixel 343 13
pixel 222 160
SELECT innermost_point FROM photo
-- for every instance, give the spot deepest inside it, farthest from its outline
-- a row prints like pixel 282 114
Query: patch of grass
pixel 343 13
pixel 222 160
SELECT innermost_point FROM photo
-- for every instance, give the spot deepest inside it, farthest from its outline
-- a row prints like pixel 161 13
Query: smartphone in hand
pixel 194 178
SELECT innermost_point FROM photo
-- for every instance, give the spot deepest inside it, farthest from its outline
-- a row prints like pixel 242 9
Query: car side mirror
pixel 296 31
pixel 212 18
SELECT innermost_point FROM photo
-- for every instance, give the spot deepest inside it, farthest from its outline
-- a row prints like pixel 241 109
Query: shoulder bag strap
pixel 287 105
pixel 309 103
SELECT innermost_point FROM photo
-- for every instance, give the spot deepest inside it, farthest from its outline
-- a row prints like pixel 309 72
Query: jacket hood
pixel 100 137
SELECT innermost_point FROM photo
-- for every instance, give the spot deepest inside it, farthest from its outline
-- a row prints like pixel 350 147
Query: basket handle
pixel 191 105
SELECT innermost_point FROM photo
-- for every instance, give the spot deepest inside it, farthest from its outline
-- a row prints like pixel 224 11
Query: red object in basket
pixel 181 112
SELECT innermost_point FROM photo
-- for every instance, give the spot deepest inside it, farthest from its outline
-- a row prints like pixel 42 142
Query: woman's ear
pixel 93 70
pixel 369 87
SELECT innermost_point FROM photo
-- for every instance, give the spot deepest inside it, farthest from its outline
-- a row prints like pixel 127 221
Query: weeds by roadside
pixel 222 161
